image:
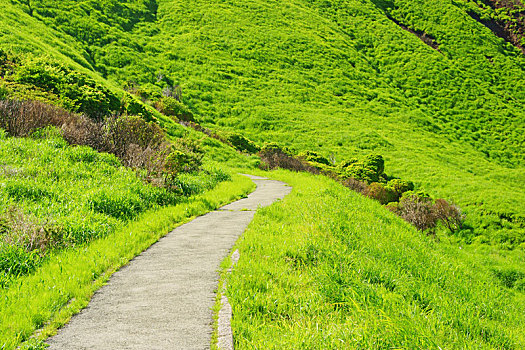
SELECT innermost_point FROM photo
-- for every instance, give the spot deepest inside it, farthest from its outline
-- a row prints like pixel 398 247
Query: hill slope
pixel 423 83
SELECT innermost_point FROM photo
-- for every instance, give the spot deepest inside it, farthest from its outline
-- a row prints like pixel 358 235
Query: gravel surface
pixel 163 298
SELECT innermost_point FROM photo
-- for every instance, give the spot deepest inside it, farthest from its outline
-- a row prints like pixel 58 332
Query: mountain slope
pixel 340 77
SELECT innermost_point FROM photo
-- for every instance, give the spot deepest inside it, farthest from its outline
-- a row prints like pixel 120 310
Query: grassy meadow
pixel 326 268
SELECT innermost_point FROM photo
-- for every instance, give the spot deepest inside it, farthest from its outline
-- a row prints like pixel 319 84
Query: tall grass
pixel 328 269
pixel 63 285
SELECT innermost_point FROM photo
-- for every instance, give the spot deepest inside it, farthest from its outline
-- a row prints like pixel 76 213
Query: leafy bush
pixel 370 169
pixel 346 163
pixel 241 143
pixel 184 157
pixel 170 106
pixel 82 93
pixel 397 187
pixel 360 172
pixel 314 157
pixel 123 131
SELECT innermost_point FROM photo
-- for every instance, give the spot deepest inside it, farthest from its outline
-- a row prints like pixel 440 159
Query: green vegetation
pixel 64 284
pixel 327 269
pixel 342 78
pixel 423 89
pixel 57 196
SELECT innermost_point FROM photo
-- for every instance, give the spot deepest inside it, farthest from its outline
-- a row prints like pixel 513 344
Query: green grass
pixel 337 77
pixel 55 196
pixel 327 268
pixel 63 285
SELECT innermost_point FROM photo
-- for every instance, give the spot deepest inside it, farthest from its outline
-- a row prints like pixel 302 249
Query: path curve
pixel 163 298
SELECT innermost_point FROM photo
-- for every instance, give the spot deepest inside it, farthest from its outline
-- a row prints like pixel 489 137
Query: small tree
pixel 418 210
pixel 449 214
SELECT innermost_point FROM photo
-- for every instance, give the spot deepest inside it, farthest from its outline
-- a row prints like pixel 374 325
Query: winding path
pixel 163 298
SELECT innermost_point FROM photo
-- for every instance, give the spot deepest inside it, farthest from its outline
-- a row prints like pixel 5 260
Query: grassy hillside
pixel 327 269
pixel 421 82
pixel 426 84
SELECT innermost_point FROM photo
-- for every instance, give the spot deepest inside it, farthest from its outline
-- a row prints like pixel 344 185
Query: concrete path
pixel 163 298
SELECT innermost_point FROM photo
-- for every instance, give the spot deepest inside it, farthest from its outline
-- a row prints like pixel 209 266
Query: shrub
pixel 170 106
pixel 241 143
pixel 84 93
pixel 360 172
pixel 314 157
pixel 346 163
pixel 82 130
pixel 273 157
pixel 3 92
pixel 178 162
pixel 22 118
pixel 355 185
pixel 449 214
pixel 123 131
pixel 418 210
pixel 397 187
pixel 131 106
pixel 380 193
pixel 375 162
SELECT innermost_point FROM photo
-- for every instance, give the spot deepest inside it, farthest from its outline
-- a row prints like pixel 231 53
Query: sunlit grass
pixel 328 268
pixel 66 281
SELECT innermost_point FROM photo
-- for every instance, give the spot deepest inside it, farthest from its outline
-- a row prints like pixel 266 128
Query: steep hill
pixel 427 84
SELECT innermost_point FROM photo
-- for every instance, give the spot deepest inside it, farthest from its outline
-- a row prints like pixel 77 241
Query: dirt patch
pixel 512 30
pixel 425 37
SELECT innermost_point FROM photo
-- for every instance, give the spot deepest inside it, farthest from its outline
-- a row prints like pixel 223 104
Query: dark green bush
pixel 131 106
pixel 314 157
pixel 74 89
pixel 370 169
pixel 241 143
pixel 346 163
pixel 397 187
pixel 360 172
pixel 170 106
pixel 376 163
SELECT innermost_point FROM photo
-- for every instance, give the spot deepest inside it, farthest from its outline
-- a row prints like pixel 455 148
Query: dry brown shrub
pixel 449 214
pixel 83 131
pixel 149 159
pixel 273 158
pixel 418 211
pixel 355 185
pixel 22 118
